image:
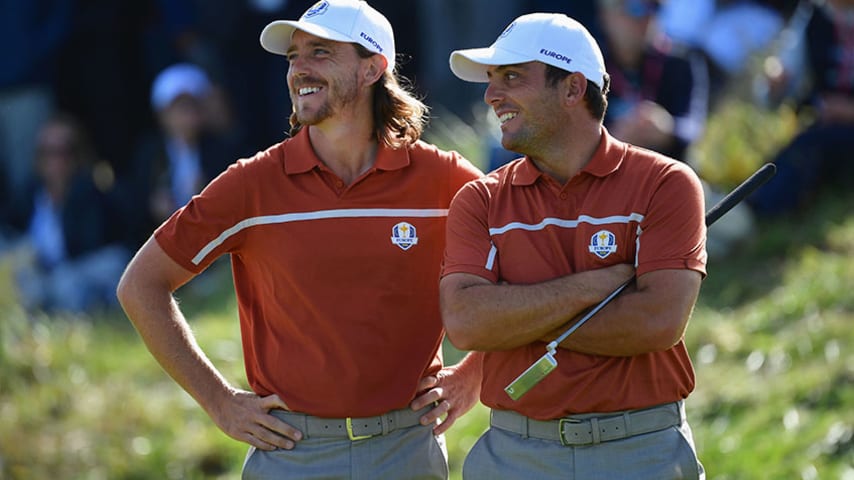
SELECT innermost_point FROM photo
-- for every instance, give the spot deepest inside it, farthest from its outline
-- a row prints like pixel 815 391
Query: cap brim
pixel 471 65
pixel 276 37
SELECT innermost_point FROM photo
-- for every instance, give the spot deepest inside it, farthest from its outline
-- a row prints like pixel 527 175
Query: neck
pixel 348 148
pixel 565 159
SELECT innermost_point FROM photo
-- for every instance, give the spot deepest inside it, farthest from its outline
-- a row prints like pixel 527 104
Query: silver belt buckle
pixel 560 424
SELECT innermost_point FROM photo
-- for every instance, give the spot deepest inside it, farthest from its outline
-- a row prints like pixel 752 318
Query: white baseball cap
pixel 551 38
pixel 177 80
pixel 349 21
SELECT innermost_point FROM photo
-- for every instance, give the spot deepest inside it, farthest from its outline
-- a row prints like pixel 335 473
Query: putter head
pixel 532 376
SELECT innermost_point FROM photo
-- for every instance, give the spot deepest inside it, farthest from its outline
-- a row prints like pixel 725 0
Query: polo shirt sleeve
pixel 462 171
pixel 468 243
pixel 673 232
pixel 207 226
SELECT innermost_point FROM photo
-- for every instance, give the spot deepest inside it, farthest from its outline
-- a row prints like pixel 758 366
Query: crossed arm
pixel 650 316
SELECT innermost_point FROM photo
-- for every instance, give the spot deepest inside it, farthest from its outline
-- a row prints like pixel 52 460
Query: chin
pixel 508 143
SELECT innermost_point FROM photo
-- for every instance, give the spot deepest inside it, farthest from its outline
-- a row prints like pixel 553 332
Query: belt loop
pixel 594 430
pixel 526 423
pixel 385 419
pixel 303 425
pixel 627 419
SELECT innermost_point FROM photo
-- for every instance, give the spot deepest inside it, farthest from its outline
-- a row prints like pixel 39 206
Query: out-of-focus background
pixel 113 114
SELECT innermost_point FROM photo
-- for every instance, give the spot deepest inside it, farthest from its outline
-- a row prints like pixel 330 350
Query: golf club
pixel 542 367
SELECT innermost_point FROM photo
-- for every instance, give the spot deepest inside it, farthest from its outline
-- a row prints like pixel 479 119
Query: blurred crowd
pixel 113 114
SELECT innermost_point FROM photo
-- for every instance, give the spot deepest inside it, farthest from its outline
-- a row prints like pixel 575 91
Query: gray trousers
pixel 661 455
pixel 408 453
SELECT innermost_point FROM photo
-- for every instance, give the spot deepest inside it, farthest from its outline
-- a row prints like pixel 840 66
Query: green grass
pixel 771 340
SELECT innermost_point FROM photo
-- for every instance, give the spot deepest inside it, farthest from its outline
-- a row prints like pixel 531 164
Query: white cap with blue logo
pixel 552 38
pixel 349 21
pixel 176 80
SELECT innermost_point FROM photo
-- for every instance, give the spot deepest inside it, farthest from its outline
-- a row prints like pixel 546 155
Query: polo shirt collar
pixel 606 160
pixel 300 157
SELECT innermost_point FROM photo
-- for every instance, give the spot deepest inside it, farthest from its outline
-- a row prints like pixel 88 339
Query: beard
pixel 522 141
pixel 314 117
pixel 339 94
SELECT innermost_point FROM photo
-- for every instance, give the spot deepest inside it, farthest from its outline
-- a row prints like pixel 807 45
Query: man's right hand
pixel 246 417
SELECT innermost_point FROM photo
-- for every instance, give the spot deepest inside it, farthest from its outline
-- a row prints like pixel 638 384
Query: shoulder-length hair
pixel 399 116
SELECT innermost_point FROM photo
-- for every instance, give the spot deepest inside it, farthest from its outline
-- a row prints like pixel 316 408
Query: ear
pixel 374 69
pixel 573 88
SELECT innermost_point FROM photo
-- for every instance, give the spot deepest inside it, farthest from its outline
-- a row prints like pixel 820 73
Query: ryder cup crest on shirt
pixel 404 235
pixel 603 243
pixel 350 21
pixel 551 38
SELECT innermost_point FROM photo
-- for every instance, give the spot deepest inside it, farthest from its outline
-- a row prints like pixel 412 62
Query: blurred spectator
pixel 729 33
pixel 30 36
pixel 739 30
pixel 175 162
pixel 783 74
pixel 253 80
pixel 107 64
pixel 64 257
pixel 821 153
pixel 659 92
pixel 448 25
pixel 686 21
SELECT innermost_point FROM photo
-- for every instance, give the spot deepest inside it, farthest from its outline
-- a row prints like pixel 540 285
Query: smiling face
pixel 323 77
pixel 527 106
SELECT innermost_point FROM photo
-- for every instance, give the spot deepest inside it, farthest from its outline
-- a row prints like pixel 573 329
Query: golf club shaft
pixel 533 375
pixel 726 204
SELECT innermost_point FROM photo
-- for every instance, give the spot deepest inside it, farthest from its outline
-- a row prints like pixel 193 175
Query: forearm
pixel 164 330
pixel 484 316
pixel 471 366
pixel 499 317
pixel 145 293
pixel 649 318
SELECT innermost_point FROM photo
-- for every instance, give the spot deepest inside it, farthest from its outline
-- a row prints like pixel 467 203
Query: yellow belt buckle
pixel 349 424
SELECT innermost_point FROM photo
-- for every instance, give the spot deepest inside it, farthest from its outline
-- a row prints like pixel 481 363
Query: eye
pixel 320 52
pixel 290 57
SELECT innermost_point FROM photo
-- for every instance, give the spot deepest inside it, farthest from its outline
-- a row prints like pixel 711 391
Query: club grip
pixel 741 192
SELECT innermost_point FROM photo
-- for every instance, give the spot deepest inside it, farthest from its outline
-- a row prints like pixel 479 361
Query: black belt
pixel 585 430
pixel 352 428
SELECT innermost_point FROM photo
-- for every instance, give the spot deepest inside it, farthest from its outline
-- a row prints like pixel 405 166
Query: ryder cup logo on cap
pixel 317 9
pixel 349 21
pixel 551 38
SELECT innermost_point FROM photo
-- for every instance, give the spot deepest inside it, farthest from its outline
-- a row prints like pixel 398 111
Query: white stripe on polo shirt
pixel 558 222
pixel 318 215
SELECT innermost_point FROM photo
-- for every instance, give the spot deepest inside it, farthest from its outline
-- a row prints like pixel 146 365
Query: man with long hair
pixel 335 237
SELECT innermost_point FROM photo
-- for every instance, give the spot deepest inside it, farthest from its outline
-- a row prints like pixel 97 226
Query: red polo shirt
pixel 337 286
pixel 517 225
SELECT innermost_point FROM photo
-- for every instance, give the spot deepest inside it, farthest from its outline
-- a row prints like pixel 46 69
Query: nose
pixel 492 94
pixel 296 71
pixel 296 67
